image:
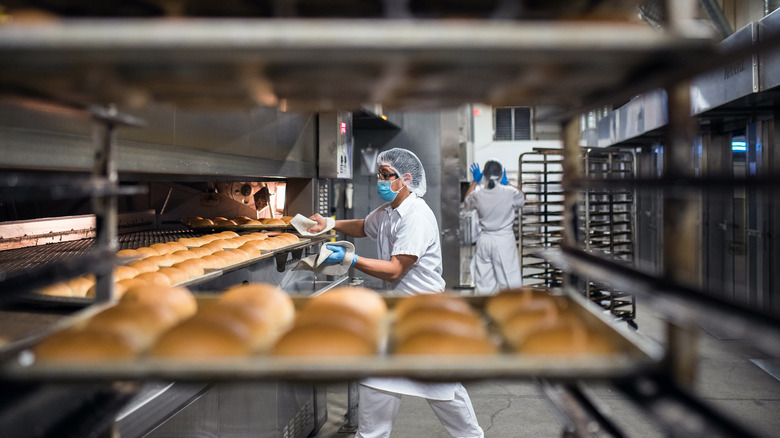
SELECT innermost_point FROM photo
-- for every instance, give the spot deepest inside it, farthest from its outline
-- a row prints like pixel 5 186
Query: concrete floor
pixel 728 379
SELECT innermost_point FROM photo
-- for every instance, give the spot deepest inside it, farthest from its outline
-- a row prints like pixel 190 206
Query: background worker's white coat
pixel 496 264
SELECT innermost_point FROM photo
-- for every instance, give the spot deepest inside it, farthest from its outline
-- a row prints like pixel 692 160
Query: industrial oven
pixel 170 166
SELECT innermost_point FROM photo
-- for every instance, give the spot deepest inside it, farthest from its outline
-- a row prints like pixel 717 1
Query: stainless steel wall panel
pixel 769 61
pixel 222 131
pixel 268 409
pixel 154 406
pixel 23 148
pixel 421 133
pixel 198 419
pixel 208 144
pixel 336 145
pixel 450 196
pixel 731 81
pixel 160 125
pixel 296 137
pixel 294 409
pixel 649 208
pixel 248 409
pixel 645 113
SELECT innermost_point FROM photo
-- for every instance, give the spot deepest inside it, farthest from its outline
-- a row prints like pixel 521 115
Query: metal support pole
pixel 572 170
pixel 105 207
pixel 353 400
pixel 681 231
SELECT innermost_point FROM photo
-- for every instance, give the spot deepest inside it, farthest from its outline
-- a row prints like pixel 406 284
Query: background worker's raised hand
pixel 476 174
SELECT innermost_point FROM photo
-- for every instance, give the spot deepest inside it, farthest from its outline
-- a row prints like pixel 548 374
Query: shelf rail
pixel 676 301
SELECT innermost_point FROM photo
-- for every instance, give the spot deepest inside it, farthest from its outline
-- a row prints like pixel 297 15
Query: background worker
pixel 496 264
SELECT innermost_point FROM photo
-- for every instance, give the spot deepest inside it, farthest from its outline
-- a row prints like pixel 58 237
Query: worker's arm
pixel 387 270
pixel 472 187
pixel 350 227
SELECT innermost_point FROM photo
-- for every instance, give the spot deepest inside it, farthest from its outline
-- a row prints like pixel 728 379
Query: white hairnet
pixel 403 161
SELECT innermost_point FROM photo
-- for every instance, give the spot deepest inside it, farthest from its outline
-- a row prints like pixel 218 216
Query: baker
pixel 409 262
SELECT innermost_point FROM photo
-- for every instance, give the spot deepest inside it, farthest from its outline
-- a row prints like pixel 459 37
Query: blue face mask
pixel 385 192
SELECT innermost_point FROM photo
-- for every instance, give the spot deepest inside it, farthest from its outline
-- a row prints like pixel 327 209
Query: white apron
pixel 496 264
pixel 433 391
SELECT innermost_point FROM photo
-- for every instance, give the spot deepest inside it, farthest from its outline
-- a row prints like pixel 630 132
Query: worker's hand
pixel 504 179
pixel 337 256
pixel 322 223
pixel 476 174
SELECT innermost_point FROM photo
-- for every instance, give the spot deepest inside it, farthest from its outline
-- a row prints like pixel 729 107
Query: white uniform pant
pixel 496 265
pixel 377 410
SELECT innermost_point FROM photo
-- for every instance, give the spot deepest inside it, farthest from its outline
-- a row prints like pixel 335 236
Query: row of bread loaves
pixel 246 319
pixel 440 324
pixel 345 321
pixel 168 322
pixel 125 330
pixel 201 222
pixel 173 263
pixel 532 321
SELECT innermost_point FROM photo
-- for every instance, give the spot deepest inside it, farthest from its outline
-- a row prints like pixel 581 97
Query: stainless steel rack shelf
pixel 678 301
pixel 316 64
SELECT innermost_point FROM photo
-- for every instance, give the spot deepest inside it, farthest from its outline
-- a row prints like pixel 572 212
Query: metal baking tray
pixel 302 241
pixel 635 354
pixel 43 300
pixel 243 227
pixel 244 263
pixel 38 299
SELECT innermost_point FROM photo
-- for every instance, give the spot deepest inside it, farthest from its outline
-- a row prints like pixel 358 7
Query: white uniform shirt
pixel 495 207
pixel 410 229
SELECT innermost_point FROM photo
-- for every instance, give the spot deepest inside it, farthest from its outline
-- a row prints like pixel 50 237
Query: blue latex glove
pixel 337 256
pixel 504 179
pixel 476 174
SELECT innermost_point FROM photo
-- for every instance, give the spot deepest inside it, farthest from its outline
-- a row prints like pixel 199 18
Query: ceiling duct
pixel 653 12
pixel 718 19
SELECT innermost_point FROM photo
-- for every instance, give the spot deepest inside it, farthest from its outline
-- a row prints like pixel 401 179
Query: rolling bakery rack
pixel 577 65
pixel 606 219
pixel 541 222
pixel 608 223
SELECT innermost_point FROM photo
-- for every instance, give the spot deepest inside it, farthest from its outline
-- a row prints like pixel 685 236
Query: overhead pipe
pixel 718 18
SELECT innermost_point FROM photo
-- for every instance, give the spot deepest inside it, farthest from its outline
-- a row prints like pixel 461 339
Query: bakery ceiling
pixel 319 64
